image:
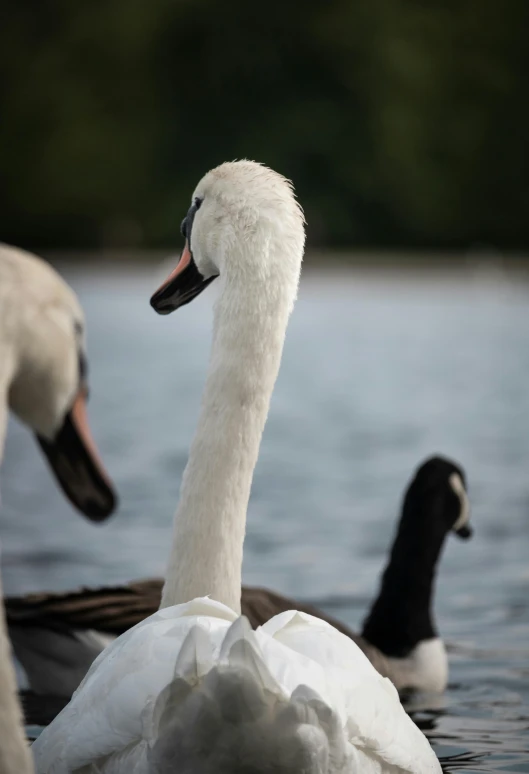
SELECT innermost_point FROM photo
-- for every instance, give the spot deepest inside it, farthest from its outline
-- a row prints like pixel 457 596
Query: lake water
pixel 379 371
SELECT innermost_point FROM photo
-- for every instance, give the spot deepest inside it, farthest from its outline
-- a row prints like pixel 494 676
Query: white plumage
pixel 192 689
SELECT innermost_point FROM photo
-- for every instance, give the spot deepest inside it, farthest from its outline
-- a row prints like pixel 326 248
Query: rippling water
pixel 378 372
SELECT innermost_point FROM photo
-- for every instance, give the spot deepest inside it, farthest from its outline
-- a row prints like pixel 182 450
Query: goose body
pixel 43 381
pixel 193 688
pixel 56 637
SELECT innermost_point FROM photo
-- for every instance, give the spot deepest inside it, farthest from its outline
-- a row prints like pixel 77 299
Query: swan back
pixel 231 724
pixel 193 688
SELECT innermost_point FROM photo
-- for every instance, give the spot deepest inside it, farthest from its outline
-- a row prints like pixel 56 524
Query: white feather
pixel 458 487
pixel 425 669
pixel 194 678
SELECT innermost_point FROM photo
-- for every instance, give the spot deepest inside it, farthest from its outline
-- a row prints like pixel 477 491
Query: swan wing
pixel 367 703
pixel 193 685
pixel 106 713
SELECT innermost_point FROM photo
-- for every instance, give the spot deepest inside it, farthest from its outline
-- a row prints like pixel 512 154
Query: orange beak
pixel 183 263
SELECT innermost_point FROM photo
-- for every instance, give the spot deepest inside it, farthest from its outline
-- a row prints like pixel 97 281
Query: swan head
pixel 439 490
pixel 244 224
pixel 48 390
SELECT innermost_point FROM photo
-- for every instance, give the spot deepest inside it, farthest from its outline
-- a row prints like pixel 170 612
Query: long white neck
pixel 15 756
pixel 250 322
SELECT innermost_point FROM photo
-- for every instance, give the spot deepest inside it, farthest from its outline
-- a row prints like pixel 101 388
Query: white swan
pixel 57 636
pixel 42 381
pixel 15 757
pixel 43 376
pixel 192 689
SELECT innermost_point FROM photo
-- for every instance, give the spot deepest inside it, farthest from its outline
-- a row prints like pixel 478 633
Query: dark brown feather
pixel 115 609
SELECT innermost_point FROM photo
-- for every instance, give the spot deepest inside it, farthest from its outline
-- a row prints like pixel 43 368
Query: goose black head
pixel 438 492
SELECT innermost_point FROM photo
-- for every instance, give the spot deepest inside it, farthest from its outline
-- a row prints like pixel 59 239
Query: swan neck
pixel 250 322
pixel 4 410
pixel 15 756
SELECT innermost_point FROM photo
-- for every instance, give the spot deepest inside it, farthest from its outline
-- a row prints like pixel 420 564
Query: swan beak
pixel 464 532
pixel 75 461
pixel 183 285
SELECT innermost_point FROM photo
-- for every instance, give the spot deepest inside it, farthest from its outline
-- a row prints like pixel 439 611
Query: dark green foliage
pixel 401 122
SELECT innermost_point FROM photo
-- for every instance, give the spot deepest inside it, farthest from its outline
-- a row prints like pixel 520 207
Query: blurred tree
pixel 401 122
pixel 448 116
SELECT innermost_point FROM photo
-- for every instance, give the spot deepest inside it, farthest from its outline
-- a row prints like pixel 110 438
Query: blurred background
pixel 404 127
pixel 402 123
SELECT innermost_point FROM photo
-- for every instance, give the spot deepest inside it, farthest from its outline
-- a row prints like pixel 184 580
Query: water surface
pixel 379 371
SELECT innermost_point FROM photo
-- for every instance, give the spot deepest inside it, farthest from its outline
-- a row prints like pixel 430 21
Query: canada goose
pixel 193 688
pixel 43 381
pixel 56 637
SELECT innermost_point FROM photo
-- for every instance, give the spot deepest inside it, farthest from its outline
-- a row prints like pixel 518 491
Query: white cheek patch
pixel 464 514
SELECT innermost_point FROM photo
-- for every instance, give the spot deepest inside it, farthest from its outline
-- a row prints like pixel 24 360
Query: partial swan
pixel 193 688
pixel 43 381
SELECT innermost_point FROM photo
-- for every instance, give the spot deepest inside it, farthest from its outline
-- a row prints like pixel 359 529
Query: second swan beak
pixel 74 459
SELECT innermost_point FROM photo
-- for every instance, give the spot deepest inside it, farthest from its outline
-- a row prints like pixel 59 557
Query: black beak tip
pixel 157 303
pixel 154 301
pixel 465 532
pixel 98 511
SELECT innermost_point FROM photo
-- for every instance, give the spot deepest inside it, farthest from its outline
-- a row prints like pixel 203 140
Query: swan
pixel 192 688
pixel 43 381
pixel 43 376
pixel 57 636
pixel 15 757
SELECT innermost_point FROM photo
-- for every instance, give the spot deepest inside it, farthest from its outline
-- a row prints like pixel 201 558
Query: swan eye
pixel 83 367
pixel 187 223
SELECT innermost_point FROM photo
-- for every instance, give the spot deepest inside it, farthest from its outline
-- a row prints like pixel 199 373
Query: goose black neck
pixel 401 616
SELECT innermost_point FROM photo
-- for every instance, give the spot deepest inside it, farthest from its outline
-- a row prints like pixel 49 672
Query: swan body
pixel 43 381
pixel 56 637
pixel 192 688
pixel 185 708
